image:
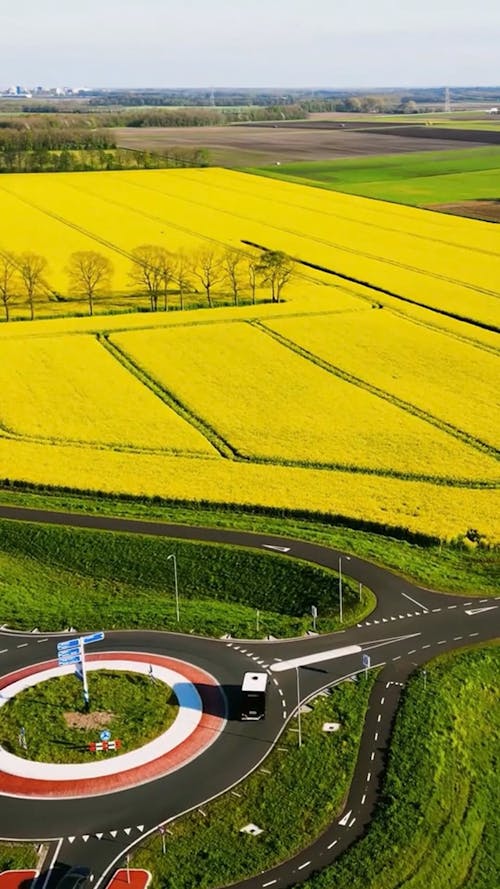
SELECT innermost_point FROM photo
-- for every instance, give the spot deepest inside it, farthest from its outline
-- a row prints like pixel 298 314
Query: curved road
pixel 409 625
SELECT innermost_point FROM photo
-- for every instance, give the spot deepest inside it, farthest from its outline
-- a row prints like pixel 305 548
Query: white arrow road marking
pixel 345 819
pixel 280 549
pixel 480 610
pixel 315 658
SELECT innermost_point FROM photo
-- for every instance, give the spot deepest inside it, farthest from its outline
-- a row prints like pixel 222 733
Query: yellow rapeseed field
pixel 245 418
pixel 268 402
pixel 438 261
pixel 448 379
pixel 419 506
pixel 71 389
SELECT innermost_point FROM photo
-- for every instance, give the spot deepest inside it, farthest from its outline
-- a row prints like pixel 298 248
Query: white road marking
pixel 473 634
pixel 284 715
pixel 345 819
pixel 435 610
pixel 41 640
pixel 332 844
pixel 23 645
pixel 472 611
pixel 52 862
pixel 368 777
pixel 426 646
pixel 363 799
pixel 270 883
pixel 442 642
pixel 376 736
pixel 457 638
pixel 382 700
pixel 302 866
pixel 379 717
pixel 414 601
pixel 3 650
pixel 280 549
pixel 412 651
pixel 397 658
pixel 451 606
pixel 352 822
pixel 275 681
pixel 372 757
pixel 280 691
pixel 316 658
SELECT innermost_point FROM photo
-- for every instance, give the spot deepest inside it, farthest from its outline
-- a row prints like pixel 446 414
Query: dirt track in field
pixel 240 146
pixel 488 211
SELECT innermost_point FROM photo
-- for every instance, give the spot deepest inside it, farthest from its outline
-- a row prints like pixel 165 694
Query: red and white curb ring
pixel 200 720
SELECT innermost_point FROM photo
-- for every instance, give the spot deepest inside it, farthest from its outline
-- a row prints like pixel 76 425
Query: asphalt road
pixel 409 626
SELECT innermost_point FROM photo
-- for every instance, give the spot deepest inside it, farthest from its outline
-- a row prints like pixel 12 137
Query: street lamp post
pixel 298 707
pixel 172 556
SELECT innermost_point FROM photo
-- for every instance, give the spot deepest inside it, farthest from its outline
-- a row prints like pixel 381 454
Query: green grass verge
pixel 437 822
pixel 417 179
pixel 295 798
pixel 55 577
pixel 463 568
pixel 15 856
pixel 132 707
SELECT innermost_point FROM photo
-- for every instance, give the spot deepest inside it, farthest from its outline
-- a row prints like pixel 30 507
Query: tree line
pixel 154 272
pixel 40 160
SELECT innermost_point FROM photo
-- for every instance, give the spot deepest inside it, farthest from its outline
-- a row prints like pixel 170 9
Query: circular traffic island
pixel 49 723
pixel 179 704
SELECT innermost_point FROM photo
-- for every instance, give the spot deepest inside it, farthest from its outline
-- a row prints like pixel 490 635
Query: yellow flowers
pixel 321 403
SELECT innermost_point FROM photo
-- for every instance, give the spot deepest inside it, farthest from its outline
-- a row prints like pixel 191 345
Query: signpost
pixel 366 663
pixel 72 651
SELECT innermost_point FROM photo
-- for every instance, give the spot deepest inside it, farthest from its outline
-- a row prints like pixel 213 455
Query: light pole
pixel 298 707
pixel 340 585
pixel 172 556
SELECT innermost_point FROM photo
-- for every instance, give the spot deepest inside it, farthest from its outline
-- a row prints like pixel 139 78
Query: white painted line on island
pixel 345 819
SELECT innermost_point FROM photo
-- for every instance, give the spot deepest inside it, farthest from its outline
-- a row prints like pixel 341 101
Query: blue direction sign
pixel 93 637
pixel 65 646
pixel 105 735
pixel 69 658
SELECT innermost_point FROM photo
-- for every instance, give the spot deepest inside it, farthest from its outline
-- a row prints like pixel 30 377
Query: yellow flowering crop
pixel 72 389
pixel 270 403
pixel 446 378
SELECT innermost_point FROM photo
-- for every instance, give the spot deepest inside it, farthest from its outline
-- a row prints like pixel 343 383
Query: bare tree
pixel 148 266
pixel 182 275
pixel 8 275
pixel 276 269
pixel 233 268
pixel 208 267
pixel 31 268
pixel 169 270
pixel 89 273
pixel 253 268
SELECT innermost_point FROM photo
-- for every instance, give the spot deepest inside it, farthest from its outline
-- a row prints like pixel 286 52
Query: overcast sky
pixel 330 43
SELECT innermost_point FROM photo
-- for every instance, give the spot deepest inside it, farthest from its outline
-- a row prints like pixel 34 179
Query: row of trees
pixel 154 272
pixel 41 160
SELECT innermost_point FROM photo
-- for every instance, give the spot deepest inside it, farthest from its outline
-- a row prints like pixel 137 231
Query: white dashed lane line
pixel 442 642
pixel 332 844
pixel 363 799
pixel 23 645
pixel 270 883
pixel 41 640
pixel 4 650
pixel 457 638
pixel 382 700
pixel 352 822
pixel 368 777
pixel 373 756
pixel 473 634
pixel 302 866
pixel 425 646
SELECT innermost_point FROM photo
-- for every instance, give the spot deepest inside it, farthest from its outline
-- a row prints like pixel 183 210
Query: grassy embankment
pixel 462 568
pixel 437 822
pixel 295 797
pixel 58 728
pixel 56 577
pixel 419 179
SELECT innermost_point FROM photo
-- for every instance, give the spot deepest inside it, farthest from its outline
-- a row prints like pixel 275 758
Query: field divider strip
pixel 377 289
pixel 168 398
pixel 400 403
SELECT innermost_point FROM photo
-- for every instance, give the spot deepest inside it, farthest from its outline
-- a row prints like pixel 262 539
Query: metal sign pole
pixel 298 707
pixel 84 674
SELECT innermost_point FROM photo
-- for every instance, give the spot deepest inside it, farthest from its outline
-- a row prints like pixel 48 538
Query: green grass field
pixel 16 856
pixel 52 578
pixel 437 822
pixel 423 178
pixel 130 706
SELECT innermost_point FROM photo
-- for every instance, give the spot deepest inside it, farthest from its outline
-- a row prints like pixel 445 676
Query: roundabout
pixel 101 825
pixel 193 730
